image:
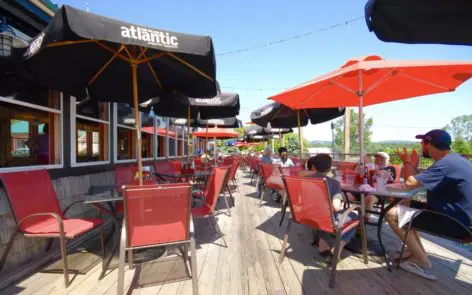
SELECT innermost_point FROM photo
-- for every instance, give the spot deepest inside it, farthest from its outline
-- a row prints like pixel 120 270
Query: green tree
pixel 354 133
pixel 293 145
pixel 461 127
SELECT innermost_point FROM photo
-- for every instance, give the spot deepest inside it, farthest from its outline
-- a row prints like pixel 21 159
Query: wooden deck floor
pixel 249 265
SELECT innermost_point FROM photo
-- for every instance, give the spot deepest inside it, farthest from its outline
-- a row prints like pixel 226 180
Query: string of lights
pixel 292 38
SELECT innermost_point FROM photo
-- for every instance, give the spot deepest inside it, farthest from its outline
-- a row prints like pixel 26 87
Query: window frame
pixel 73 138
pixel 60 112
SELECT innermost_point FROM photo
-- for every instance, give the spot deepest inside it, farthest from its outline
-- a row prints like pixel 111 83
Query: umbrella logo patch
pixel 152 37
pixel 212 101
pixel 35 45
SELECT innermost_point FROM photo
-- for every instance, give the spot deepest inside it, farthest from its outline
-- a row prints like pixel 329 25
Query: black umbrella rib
pixel 189 65
pixel 100 71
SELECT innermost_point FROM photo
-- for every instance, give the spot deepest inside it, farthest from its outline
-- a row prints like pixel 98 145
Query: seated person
pixel 284 160
pixel 381 163
pixel 205 157
pixel 322 165
pixel 267 156
pixel 449 191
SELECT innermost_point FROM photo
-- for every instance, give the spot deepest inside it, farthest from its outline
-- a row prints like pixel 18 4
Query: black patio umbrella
pixel 254 130
pixel 421 21
pixel 178 105
pixel 231 122
pixel 90 55
pixel 281 116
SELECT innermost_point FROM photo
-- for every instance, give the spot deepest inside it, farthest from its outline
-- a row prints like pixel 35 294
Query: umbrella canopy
pixel 85 54
pixel 372 80
pixel 377 81
pixel 176 105
pixel 81 50
pixel 421 21
pixel 281 116
pixel 218 133
pixel 255 130
pixel 232 122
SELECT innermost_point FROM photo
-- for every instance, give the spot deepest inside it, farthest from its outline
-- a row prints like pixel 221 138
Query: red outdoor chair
pixel 36 210
pixel 254 166
pixel 157 215
pixel 311 205
pixel 350 166
pixel 232 173
pixel 272 177
pixel 210 197
pixel 458 232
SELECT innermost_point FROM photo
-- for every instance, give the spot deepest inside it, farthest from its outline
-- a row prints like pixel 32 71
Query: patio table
pixel 397 193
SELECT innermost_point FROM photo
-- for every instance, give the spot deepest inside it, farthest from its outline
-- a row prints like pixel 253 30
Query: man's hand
pixel 408 158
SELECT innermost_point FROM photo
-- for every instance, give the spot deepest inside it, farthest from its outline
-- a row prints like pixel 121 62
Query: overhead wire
pixel 291 38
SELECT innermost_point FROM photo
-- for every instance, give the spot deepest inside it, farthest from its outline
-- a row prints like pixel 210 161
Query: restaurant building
pixel 78 142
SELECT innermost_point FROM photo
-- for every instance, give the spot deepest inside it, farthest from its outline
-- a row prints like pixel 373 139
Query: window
pixel 30 128
pixel 147 135
pixel 90 125
pixel 126 134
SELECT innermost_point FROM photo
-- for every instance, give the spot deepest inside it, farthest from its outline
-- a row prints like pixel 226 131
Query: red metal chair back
pixel 176 165
pixel 30 192
pixel 347 166
pixel 198 164
pixel 310 202
pixel 290 171
pixel 233 170
pixel 157 214
pixel 214 186
pixel 268 170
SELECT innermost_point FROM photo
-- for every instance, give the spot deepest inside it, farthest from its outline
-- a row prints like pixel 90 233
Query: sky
pixel 257 74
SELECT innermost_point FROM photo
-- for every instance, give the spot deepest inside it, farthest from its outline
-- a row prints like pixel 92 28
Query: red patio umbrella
pixel 372 80
pixel 219 133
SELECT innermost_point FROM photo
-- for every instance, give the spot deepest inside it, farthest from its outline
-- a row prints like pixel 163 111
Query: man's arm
pixel 409 171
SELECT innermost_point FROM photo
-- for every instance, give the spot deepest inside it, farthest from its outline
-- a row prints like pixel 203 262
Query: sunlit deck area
pixel 249 264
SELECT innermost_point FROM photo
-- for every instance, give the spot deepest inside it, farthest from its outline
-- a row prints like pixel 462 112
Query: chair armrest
pixel 346 213
pixel 162 176
pixel 201 201
pixel 56 216
pixel 423 211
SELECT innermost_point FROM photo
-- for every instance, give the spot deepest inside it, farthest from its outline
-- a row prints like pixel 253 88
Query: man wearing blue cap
pixel 449 191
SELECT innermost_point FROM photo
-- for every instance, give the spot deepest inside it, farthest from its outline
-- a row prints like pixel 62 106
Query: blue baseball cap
pixel 440 139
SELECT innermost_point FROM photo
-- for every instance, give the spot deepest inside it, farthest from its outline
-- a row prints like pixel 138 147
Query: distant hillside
pixel 320 142
pixel 396 142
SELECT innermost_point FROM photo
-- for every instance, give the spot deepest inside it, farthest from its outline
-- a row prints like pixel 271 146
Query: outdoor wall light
pixel 9 40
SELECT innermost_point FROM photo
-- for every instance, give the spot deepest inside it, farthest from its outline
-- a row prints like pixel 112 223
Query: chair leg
pixel 185 253
pixel 230 195
pixel 257 184
pixel 284 244
pixel 102 244
pixel 218 230
pixel 284 210
pixel 62 240
pixel 193 264
pixel 121 266
pixel 130 259
pixel 403 246
pixel 8 247
pixel 334 262
pixel 227 204
pixel 262 196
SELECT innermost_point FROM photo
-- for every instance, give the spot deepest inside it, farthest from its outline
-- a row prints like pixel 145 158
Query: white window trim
pixel 61 123
pixel 73 117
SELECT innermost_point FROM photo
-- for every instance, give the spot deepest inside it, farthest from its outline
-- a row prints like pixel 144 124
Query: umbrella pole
pixel 361 122
pixel 188 134
pixel 300 134
pixel 134 71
